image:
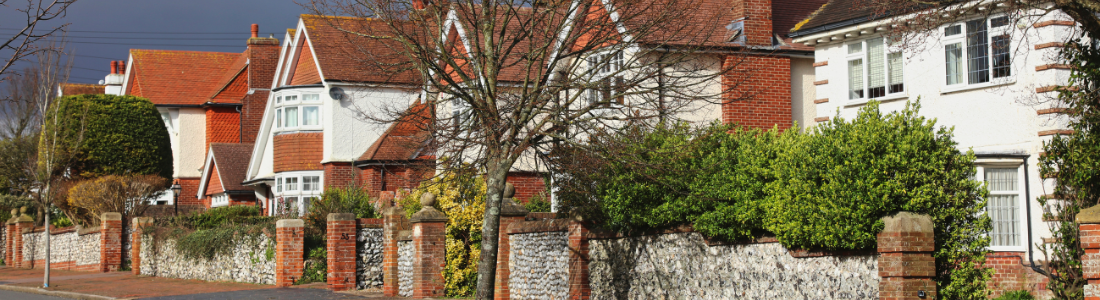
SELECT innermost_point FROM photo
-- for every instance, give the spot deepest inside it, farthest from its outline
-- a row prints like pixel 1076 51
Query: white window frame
pixel 1021 213
pixel 864 55
pixel 282 191
pixel 605 65
pixel 960 39
pixel 219 200
pixel 296 100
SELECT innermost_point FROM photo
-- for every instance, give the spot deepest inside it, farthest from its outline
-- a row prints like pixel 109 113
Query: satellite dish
pixel 336 93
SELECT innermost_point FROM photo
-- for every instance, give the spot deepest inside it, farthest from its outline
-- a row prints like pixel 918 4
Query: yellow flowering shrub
pixel 462 199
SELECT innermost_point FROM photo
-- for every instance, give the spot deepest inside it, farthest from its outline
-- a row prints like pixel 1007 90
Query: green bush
pixel 202 235
pixel 537 203
pixel 112 135
pixel 350 199
pixel 316 266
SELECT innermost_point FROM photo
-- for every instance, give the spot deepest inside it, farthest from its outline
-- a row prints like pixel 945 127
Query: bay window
pixel 295 191
pixel 977 52
pixel 219 200
pixel 294 113
pixel 873 71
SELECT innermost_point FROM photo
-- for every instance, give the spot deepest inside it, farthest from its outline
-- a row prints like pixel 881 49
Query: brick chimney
pixel 115 79
pixel 122 67
pixel 263 56
pixel 757 16
pixel 255 30
pixel 114 67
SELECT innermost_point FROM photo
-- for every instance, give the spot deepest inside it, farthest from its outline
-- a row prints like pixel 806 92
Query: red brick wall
pixel 263 58
pixel 340 244
pixel 298 151
pixel 190 188
pixel 579 287
pixel 110 243
pixel 252 114
pixel 397 177
pixel 9 238
pixel 429 243
pixel 528 184
pixel 222 126
pixel 757 91
pixel 289 254
pixel 245 199
pixel 758 20
pixel 1010 274
pixel 340 174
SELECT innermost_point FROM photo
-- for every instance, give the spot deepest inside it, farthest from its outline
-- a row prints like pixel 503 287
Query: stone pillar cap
pixel 284 223
pixel 1089 215
pixel 143 220
pixel 111 216
pixel 341 217
pixel 21 219
pixel 428 214
pixel 907 222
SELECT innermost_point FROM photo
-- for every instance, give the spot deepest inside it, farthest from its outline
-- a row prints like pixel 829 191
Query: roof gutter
pixel 179 105
pixel 256 182
pixel 212 104
pixel 371 162
pixel 296 86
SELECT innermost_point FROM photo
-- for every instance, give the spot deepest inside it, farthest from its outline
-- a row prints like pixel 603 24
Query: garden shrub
pixel 202 235
pixel 349 199
pixel 462 199
pixel 113 135
pixel 1016 295
pixel 537 203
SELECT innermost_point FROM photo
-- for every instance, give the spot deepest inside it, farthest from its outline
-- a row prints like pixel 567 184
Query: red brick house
pixel 204 98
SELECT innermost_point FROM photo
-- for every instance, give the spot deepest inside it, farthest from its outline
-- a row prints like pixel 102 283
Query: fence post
pixel 393 222
pixel 289 263
pixel 110 242
pixel 510 212
pixel 1089 235
pixel 9 236
pixel 23 222
pixel 340 245
pixel 429 243
pixel 579 288
pixel 135 243
pixel 905 264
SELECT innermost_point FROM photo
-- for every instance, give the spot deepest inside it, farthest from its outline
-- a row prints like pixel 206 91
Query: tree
pixel 919 16
pixel 128 195
pixel 19 112
pixel 509 79
pixel 27 41
pixel 17 152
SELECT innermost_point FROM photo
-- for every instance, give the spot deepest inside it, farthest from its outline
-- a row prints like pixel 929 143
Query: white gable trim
pixel 206 169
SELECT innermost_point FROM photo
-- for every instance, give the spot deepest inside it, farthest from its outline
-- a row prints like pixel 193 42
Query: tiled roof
pixel 406 139
pixel 788 13
pixel 834 12
pixel 233 84
pixel 70 89
pixel 231 163
pixel 354 58
pixel 170 77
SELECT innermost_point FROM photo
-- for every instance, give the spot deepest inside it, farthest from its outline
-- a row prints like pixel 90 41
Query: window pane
pixel 311 97
pixel 1001 180
pixel 897 76
pixel 278 185
pixel 855 79
pixel 876 68
pixel 292 184
pixel 952 30
pixel 311 183
pixel 311 116
pixel 1003 212
pixel 855 48
pixel 279 118
pixel 291 117
pixel 954 63
pixel 291 98
pixel 1001 61
pixel 998 22
pixel 977 52
pixel 279 99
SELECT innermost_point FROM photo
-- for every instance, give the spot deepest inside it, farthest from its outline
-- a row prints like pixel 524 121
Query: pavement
pixel 26 284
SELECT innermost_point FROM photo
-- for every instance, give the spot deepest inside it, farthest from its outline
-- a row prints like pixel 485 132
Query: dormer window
pixel 296 112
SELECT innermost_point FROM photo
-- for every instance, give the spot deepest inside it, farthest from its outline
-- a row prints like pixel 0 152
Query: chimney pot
pixel 255 30
pixel 121 66
pixel 114 67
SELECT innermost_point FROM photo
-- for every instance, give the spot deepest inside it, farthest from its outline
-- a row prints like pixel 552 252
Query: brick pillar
pixel 135 243
pixel 510 212
pixel 9 235
pixel 340 245
pixel 393 222
pixel 429 226
pixel 1089 222
pixel 905 258
pixel 289 248
pixel 578 261
pixel 110 242
pixel 22 223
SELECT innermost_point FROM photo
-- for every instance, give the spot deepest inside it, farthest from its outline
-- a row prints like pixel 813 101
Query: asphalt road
pixel 265 294
pixel 9 295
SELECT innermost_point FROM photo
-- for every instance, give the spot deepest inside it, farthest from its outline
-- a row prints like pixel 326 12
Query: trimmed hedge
pixel 122 135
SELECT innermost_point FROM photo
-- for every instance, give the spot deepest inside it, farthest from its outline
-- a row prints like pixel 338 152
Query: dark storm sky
pixel 105 30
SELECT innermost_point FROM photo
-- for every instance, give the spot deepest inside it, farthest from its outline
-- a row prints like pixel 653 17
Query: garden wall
pixel 251 260
pixel 405 256
pixel 72 248
pixel 368 264
pixel 539 265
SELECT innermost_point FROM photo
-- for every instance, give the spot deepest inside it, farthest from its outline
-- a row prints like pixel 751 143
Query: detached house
pixel 315 132
pixel 986 76
pixel 204 98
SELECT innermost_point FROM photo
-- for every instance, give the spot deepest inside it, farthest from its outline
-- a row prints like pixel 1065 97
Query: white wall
pixel 349 130
pixel 188 141
pixel 989 120
pixel 803 93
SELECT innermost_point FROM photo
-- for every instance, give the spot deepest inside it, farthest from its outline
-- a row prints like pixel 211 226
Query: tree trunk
pixel 495 178
pixel 46 277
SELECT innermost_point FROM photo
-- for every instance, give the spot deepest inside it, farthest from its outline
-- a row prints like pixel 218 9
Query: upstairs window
pixel 294 113
pixel 874 72
pixel 606 72
pixel 977 51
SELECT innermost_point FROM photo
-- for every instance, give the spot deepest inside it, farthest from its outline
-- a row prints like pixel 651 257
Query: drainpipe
pixel 240 121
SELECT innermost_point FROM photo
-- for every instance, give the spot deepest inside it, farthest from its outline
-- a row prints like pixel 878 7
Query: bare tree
pixel 19 112
pixel 507 80
pixel 27 41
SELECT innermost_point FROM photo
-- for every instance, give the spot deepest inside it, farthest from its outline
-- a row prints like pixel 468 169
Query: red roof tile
pixel 178 77
pixel 233 84
pixel 406 139
pixel 353 58
pixel 231 163
pixel 70 89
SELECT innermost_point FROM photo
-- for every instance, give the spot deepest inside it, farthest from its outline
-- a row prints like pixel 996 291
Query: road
pixel 6 295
